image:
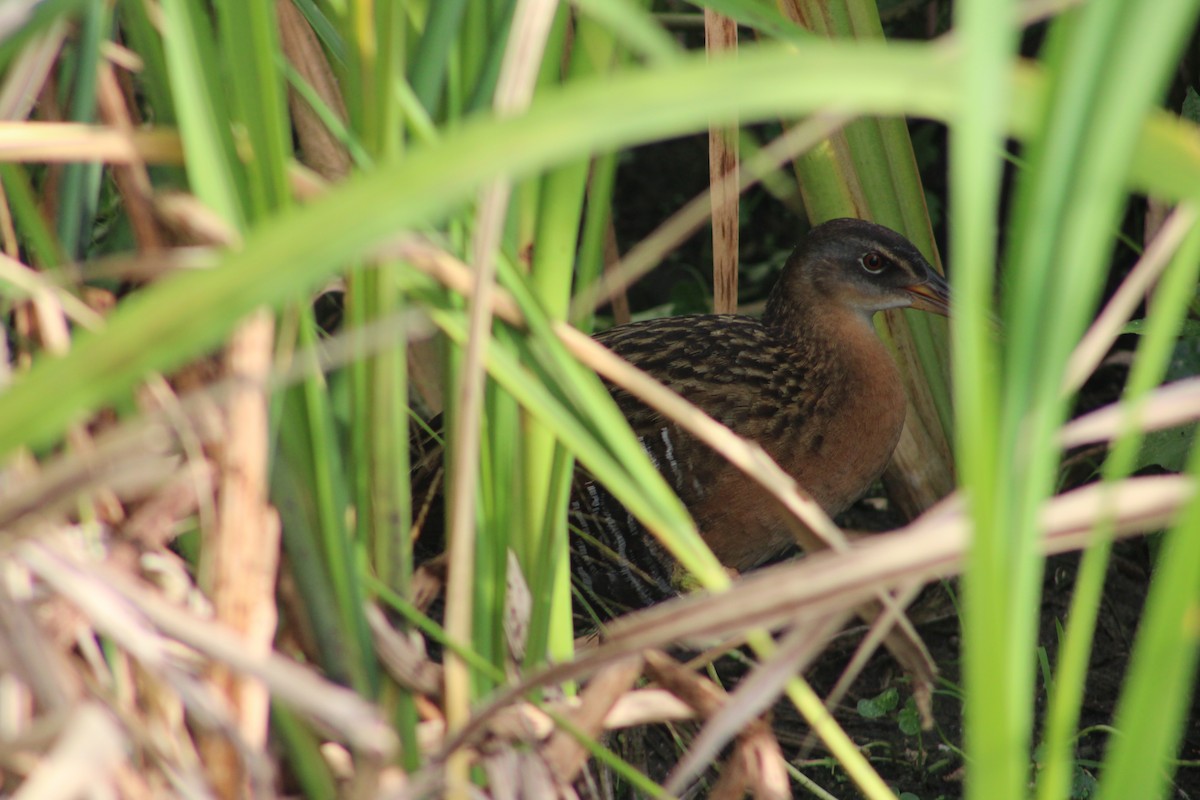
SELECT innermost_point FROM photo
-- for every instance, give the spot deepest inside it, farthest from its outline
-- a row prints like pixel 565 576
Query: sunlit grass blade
pixel 1072 190
pixel 989 38
pixel 1170 303
pixel 1159 686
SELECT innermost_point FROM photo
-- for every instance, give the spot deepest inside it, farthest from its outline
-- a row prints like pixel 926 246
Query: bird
pixel 809 381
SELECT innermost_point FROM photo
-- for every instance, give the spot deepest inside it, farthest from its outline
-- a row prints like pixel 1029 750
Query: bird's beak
pixel 931 294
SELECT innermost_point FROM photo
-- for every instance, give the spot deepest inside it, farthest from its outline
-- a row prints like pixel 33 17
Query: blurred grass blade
pixel 81 181
pixel 248 43
pixel 143 39
pixel 183 316
pixel 432 56
pixel 763 17
pixel 629 23
pixel 44 248
pixel 326 31
pixel 204 119
pixel 313 495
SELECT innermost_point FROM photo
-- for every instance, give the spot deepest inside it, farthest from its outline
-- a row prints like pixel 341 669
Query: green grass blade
pixel 432 55
pixel 204 119
pixel 1072 191
pixel 994 736
pixel 1170 304
pixel 293 252
pixel 81 182
pixel 312 771
pixel 43 246
pixel 326 31
pixel 761 16
pixel 141 36
pixel 312 493
pixel 249 44
pixel 1157 693
pixel 627 471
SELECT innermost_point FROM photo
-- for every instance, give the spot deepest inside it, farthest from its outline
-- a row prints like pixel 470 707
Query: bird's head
pixel 858 266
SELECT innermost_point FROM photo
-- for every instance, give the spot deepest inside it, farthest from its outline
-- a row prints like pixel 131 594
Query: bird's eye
pixel 873 263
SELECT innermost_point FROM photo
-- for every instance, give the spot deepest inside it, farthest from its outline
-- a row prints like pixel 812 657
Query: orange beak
pixel 931 294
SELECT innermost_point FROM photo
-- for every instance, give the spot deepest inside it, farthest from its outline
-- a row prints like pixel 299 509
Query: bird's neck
pixel 823 325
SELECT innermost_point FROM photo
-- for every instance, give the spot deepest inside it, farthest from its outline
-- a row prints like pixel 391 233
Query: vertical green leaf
pixel 997 717
pixel 205 124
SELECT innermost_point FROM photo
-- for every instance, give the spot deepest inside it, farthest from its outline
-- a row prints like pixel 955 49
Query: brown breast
pixel 828 406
